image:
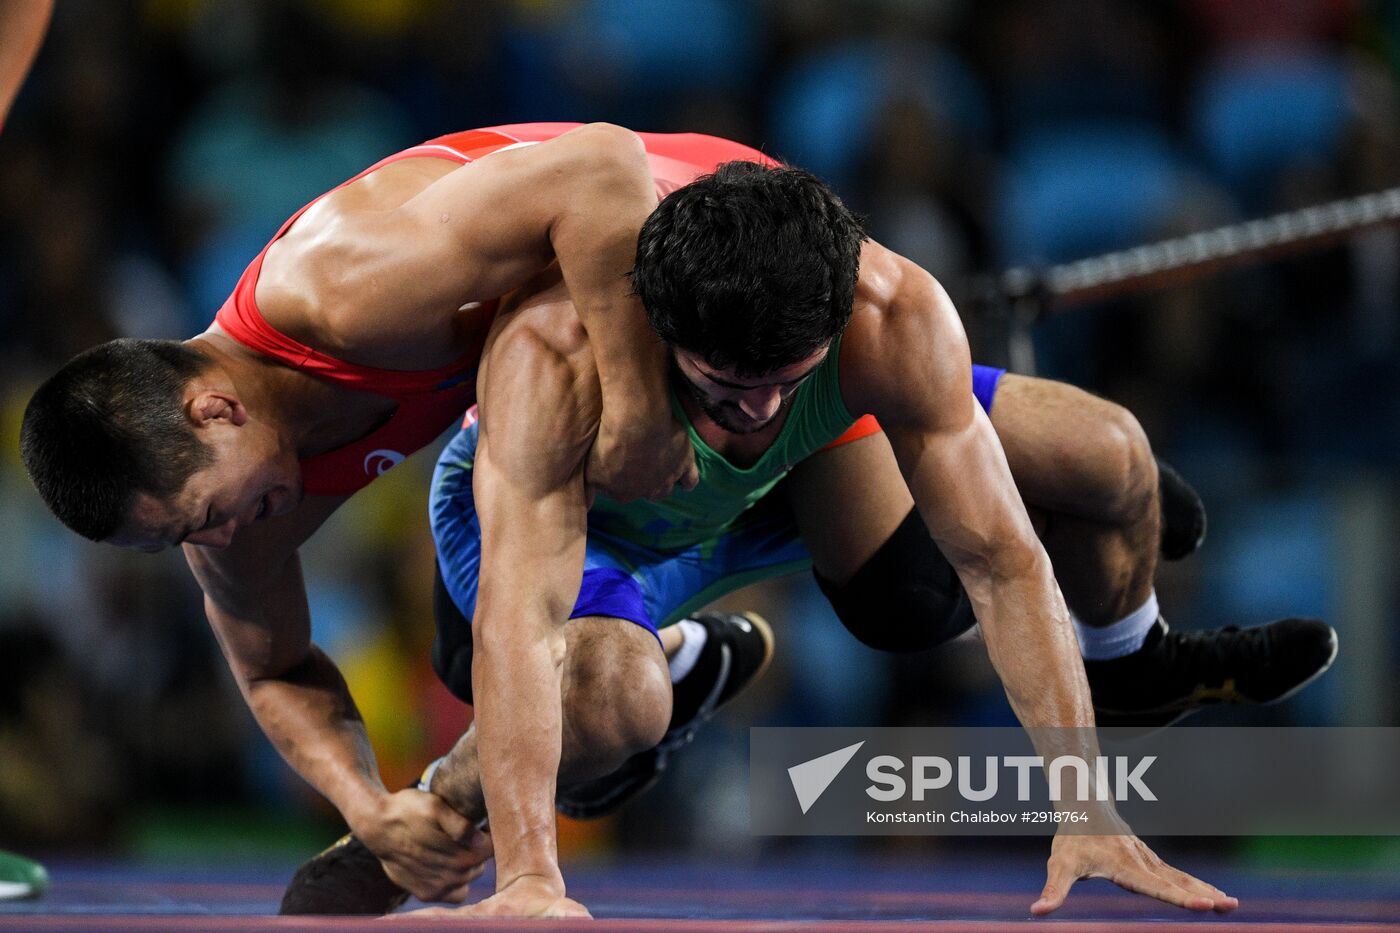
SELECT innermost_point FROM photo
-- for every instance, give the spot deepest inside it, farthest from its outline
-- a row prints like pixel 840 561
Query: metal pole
pixel 1187 258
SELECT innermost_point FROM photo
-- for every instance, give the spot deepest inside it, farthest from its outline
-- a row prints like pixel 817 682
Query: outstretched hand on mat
pixel 1129 863
pixel 426 847
pixel 526 896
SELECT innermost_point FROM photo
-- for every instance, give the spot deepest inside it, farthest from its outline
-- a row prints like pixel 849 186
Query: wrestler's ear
pixel 208 406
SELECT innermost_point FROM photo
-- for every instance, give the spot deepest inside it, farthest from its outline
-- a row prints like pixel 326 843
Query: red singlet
pixel 429 402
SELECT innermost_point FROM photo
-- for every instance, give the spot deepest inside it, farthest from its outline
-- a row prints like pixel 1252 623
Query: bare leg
pixel 1086 467
pixel 847 501
pixel 1082 464
pixel 872 554
pixel 617 702
pixel 1086 473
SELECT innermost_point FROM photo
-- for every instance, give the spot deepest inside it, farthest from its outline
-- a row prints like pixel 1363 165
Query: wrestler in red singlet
pixel 430 401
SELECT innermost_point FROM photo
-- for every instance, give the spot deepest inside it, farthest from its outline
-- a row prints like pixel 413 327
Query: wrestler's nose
pixel 760 406
pixel 219 536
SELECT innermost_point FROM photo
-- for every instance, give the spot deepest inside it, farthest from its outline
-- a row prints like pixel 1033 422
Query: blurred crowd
pixel 160 143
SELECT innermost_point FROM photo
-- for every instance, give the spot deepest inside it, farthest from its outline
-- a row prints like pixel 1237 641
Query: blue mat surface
pixel 856 894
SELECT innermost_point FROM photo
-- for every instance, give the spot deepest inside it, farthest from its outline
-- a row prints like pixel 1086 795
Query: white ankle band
pixel 1106 642
pixel 694 635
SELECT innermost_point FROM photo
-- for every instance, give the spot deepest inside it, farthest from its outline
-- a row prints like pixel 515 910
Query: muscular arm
pixel 256 602
pixel 530 497
pixel 906 359
pixel 22 27
pixel 484 229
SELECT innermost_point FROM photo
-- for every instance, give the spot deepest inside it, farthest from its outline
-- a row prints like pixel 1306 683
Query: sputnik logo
pixel 811 778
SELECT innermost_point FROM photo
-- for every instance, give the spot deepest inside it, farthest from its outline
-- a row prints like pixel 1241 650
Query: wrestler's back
pixel 298 272
pixel 296 275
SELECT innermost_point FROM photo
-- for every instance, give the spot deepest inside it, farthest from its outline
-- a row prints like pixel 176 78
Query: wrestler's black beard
pixel 725 414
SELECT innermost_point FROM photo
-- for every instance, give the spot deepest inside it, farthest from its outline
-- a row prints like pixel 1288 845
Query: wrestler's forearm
pixel 1031 644
pixel 968 499
pixel 965 494
pixel 1026 627
pixel 308 715
pixel 260 615
pixel 533 513
pixel 633 371
pixel 595 241
pixel 516 673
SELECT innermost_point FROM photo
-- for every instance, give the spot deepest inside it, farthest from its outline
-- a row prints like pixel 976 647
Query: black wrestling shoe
pixel 347 878
pixel 1183 514
pixel 1176 673
pixel 737 651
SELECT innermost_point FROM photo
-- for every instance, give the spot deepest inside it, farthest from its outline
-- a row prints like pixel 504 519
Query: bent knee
pixel 1132 486
pixel 618 699
pixel 641 721
pixel 905 598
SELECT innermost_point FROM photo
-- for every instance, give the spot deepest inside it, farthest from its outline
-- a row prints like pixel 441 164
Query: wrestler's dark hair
pixel 753 268
pixel 108 425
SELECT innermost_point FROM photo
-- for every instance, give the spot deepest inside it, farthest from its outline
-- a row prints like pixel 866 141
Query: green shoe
pixel 21 878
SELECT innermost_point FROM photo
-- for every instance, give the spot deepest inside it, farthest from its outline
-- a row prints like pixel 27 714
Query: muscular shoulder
pixel 312 284
pixel 905 347
pixel 539 390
